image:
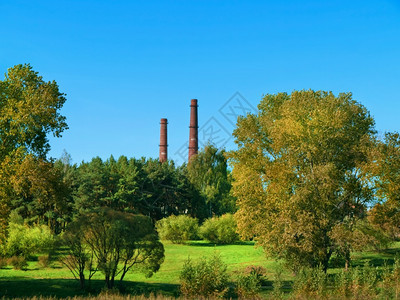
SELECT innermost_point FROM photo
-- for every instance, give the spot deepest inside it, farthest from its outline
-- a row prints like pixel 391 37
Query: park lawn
pixel 58 281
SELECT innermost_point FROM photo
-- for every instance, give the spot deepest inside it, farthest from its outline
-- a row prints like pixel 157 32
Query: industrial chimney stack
pixel 163 141
pixel 193 134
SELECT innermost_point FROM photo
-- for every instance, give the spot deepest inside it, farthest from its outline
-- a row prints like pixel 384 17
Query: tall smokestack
pixel 193 134
pixel 163 141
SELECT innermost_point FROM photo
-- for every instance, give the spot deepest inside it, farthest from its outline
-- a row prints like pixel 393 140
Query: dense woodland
pixel 310 181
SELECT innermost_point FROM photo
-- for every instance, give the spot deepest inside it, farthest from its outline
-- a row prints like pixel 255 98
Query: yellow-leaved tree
pixel 29 111
pixel 299 173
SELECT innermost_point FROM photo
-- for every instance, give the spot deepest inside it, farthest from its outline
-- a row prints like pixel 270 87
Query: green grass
pixel 57 280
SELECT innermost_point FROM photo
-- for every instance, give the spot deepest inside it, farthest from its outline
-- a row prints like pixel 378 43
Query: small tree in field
pixel 120 241
pixel 79 256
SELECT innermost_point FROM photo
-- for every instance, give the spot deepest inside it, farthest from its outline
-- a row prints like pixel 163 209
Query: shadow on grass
pixel 61 288
pixel 211 244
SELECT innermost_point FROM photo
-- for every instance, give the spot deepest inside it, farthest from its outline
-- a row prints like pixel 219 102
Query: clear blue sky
pixel 126 64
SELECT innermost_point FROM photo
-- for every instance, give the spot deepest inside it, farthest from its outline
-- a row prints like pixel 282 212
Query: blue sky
pixel 126 64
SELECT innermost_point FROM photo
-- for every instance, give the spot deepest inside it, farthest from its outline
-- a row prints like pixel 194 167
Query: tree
pixel 139 186
pixel 40 193
pixel 118 242
pixel 208 171
pixel 79 256
pixel 299 172
pixel 29 111
pixel 385 215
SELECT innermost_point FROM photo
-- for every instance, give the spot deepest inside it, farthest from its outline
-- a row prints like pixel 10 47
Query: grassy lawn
pixel 58 281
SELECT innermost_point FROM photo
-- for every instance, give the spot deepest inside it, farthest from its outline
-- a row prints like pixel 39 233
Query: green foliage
pixel 139 186
pixel 25 241
pixel 209 174
pixel 117 240
pixel 18 262
pixel 300 170
pixel 178 229
pixel 220 230
pixel 207 277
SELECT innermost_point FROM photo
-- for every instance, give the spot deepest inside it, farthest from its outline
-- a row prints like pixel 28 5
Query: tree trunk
pixel 82 280
pixel 107 278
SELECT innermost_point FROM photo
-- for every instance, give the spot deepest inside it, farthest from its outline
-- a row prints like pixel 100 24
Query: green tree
pixel 208 171
pixel 118 242
pixel 299 172
pixel 140 186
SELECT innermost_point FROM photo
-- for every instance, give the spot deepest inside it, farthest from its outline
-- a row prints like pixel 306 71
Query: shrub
pixel 220 230
pixel 3 262
pixel 178 229
pixel 207 277
pixel 18 262
pixel 277 292
pixel 44 261
pixel 342 283
pixel 310 282
pixel 258 271
pixel 248 285
pixel 24 241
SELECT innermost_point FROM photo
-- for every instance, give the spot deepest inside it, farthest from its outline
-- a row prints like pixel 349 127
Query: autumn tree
pixel 40 193
pixel 29 111
pixel 298 172
pixel 385 215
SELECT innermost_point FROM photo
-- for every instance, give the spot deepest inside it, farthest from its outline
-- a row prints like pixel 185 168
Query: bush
pixel 18 262
pixel 248 286
pixel 178 229
pixel 220 230
pixel 207 277
pixel 44 261
pixel 3 262
pixel 258 271
pixel 24 241
pixel 310 282
pixel 277 292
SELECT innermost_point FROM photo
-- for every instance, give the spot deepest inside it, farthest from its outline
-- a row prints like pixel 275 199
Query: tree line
pixel 310 178
pixel 103 210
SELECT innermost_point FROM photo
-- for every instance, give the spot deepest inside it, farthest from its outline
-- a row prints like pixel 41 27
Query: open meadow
pixel 57 281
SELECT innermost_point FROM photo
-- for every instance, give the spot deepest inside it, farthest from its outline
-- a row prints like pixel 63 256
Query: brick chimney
pixel 163 141
pixel 193 134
